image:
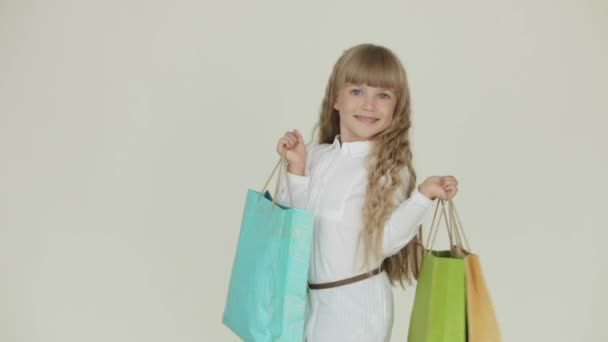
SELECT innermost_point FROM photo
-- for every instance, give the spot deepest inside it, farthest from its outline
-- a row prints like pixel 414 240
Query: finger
pixel 442 194
pixel 286 138
pixel 448 178
pixel 452 192
pixel 281 147
pixel 450 187
pixel 292 139
pixel 300 136
pixel 452 181
pixel 296 138
pixel 287 143
pixel 448 192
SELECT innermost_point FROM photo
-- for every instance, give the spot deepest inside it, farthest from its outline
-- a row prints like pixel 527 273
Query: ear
pixel 336 104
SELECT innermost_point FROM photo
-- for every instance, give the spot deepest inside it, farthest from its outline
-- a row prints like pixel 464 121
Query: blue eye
pixel 356 91
pixel 385 96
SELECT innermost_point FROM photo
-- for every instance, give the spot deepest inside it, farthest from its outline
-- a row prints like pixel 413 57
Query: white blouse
pixel 334 187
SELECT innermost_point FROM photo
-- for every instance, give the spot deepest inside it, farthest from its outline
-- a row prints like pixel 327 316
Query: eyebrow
pixel 382 89
pixel 388 90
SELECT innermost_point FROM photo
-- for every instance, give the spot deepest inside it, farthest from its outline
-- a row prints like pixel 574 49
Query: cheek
pixel 342 115
pixel 389 110
pixel 352 103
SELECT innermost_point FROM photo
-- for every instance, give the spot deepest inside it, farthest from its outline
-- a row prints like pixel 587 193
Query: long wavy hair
pixel 378 66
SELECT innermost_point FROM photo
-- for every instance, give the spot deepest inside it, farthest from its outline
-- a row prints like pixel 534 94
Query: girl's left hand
pixel 442 187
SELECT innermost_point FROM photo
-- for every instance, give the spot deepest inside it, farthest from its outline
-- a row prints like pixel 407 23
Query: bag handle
pixel 430 242
pixel 283 160
pixel 458 229
pixel 454 227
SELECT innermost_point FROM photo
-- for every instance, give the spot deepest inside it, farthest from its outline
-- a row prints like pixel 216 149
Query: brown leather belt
pixel 344 281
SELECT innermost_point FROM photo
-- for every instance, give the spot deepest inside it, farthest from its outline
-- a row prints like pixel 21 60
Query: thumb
pixel 443 194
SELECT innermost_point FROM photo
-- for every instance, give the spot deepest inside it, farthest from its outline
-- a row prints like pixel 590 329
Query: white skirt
pixel 357 312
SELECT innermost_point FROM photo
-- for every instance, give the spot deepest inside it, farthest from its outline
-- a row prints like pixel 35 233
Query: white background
pixel 130 131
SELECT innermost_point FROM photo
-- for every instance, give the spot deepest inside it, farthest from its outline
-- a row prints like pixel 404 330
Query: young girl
pixel 361 185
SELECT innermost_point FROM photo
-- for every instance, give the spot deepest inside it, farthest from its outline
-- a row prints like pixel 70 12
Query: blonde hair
pixel 377 66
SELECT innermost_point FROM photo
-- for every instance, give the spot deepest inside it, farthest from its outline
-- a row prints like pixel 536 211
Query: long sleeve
pixel 403 223
pixel 298 184
pixel 299 190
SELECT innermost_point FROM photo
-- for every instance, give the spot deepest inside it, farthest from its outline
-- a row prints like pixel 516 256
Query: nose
pixel 369 103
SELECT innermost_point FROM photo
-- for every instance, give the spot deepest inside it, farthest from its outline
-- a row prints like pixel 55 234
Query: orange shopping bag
pixel 482 325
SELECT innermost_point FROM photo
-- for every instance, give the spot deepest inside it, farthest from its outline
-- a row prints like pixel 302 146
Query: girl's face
pixel 364 111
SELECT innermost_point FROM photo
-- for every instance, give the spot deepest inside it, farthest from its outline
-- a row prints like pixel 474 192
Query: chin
pixel 367 135
pixel 363 131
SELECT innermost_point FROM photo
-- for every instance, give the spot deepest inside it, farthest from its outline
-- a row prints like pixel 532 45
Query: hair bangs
pixel 375 67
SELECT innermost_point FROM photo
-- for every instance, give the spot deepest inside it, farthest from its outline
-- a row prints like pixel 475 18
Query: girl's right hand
pixel 293 148
pixel 442 187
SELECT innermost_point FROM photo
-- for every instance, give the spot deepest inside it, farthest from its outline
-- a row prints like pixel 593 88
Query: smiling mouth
pixel 366 119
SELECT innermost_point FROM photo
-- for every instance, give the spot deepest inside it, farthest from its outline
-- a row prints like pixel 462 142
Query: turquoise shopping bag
pixel 268 284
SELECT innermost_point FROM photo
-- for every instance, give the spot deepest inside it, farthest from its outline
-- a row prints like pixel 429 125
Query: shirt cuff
pixel 418 198
pixel 297 180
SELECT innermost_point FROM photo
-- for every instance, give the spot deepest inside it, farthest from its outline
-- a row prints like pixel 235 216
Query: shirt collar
pixel 353 148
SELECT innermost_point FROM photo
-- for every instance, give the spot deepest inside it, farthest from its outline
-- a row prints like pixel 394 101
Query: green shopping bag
pixel 439 311
pixel 268 284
